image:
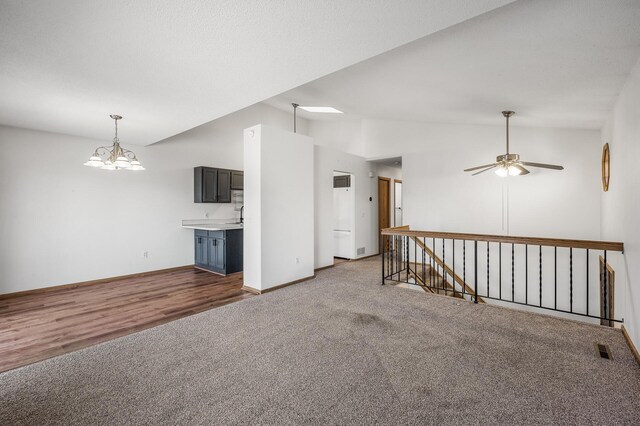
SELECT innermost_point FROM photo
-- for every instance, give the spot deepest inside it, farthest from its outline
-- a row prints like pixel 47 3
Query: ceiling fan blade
pixel 488 168
pixel 479 167
pixel 523 171
pixel 543 166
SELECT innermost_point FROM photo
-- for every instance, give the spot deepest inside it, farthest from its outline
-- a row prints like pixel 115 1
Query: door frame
pixel 394 200
pixel 388 180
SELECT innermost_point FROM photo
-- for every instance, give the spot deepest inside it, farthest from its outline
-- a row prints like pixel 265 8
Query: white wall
pixel 438 195
pixel 62 222
pixel 326 161
pixel 621 204
pixel 343 135
pixel 279 200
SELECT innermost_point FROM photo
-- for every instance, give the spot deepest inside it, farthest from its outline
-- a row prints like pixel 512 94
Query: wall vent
pixel 360 251
pixel 603 351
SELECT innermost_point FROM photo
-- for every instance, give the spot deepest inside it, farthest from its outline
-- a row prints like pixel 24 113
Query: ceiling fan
pixel 510 164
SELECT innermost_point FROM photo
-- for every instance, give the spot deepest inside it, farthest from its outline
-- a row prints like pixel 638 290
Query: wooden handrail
pixel 534 241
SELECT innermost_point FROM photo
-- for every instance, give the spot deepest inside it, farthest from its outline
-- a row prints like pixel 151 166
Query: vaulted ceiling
pixel 558 63
pixel 168 66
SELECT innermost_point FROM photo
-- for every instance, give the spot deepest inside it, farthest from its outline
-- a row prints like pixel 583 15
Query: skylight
pixel 326 109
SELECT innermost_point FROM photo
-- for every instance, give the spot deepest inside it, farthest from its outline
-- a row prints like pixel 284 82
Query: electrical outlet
pixel 297 260
pixel 145 254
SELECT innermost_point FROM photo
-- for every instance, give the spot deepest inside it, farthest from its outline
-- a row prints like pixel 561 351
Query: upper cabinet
pixel 213 185
pixel 237 180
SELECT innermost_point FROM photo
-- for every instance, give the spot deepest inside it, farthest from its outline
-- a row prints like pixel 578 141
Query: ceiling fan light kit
pixel 510 164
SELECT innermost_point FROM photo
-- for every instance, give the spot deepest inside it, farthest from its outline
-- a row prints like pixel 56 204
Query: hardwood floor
pixel 37 326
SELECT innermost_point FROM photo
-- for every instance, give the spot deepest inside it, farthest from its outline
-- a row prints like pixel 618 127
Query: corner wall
pixel 621 204
pixel 279 200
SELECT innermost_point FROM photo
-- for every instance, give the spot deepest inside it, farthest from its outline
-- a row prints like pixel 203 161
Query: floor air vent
pixel 603 351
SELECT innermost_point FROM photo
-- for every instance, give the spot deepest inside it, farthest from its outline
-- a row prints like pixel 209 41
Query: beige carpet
pixel 339 349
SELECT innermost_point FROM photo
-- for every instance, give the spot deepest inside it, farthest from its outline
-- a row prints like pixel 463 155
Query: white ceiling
pixel 556 63
pixel 168 66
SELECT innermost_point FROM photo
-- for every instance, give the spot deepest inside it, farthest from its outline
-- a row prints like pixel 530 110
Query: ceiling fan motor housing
pixel 507 158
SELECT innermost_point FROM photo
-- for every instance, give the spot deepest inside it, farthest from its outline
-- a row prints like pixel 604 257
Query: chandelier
pixel 114 157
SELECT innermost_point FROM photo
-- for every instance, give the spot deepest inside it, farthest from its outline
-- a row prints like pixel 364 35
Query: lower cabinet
pixel 219 251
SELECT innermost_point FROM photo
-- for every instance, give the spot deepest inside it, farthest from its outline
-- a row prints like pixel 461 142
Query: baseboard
pixel 250 289
pixel 323 268
pixel 278 287
pixel 365 257
pixel 633 348
pixel 92 282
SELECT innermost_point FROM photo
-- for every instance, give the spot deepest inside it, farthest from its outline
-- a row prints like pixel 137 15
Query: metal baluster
pixel 415 258
pixel 406 259
pixel 434 266
pixel 444 271
pixel 424 258
pixel 464 265
pixel 540 264
pixel 526 274
pixel 475 269
pixel 571 279
pixel 453 276
pixel 500 272
pixel 389 255
pixel 382 236
pixel 488 280
pixel 555 278
pixel 397 257
pixel 513 281
pixel 433 263
pixel 587 282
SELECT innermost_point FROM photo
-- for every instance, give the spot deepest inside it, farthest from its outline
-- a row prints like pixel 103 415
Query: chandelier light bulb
pixel 135 165
pixel 122 163
pixel 94 161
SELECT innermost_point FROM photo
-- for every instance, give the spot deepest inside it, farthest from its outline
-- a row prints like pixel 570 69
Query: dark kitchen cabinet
pixel 224 186
pixel 219 251
pixel 202 248
pixel 217 254
pixel 237 180
pixel 211 185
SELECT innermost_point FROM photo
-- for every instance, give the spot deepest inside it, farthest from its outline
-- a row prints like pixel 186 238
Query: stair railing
pixel 547 273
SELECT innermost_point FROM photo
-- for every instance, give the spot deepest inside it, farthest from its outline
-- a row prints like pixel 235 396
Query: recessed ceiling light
pixel 330 110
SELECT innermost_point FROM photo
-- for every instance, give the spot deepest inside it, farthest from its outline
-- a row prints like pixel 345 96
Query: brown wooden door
pixel 384 187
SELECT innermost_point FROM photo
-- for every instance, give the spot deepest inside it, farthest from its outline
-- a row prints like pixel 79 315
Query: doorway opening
pixel 344 216
pixel 397 202
pixel 384 187
pixel 390 203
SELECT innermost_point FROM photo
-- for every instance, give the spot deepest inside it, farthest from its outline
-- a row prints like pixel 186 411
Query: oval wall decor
pixel 606 167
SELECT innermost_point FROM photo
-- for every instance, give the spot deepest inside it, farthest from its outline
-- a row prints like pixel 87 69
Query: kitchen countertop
pixel 214 226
